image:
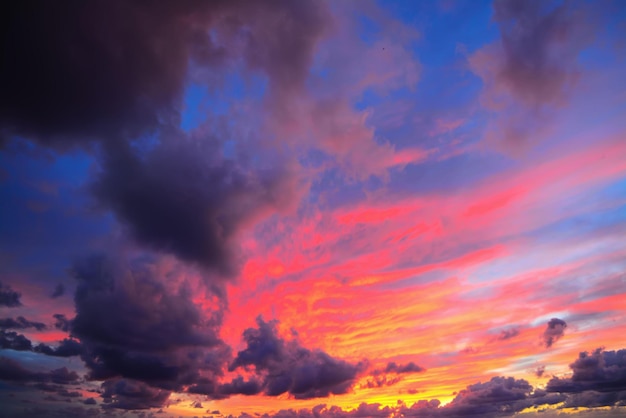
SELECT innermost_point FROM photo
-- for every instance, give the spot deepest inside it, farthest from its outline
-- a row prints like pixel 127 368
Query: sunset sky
pixel 313 209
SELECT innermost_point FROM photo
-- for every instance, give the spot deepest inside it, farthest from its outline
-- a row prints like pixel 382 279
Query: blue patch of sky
pixel 201 101
pixel 441 177
pixel 46 215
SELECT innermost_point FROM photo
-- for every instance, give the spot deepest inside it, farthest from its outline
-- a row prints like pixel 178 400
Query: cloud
pixel 410 367
pixel 13 341
pixel 598 379
pixel 59 291
pixel 533 67
pixel 132 395
pixel 105 81
pixel 507 334
pixel 9 297
pixel 12 371
pixel 389 375
pixel 285 366
pixel 61 322
pixel 539 49
pixel 553 332
pixel 67 348
pixel 134 322
pixel 185 199
pixel 498 397
pixel 21 323
pixel 109 85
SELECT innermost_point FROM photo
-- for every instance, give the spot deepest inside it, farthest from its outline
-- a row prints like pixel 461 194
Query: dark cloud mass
pixel 553 332
pixel 66 348
pixel 132 395
pixel 13 341
pixel 185 199
pixel 11 370
pixel 9 297
pixel 112 83
pixel 21 323
pixel 285 366
pixel 61 322
pixel 131 326
pixel 598 379
pixel 104 80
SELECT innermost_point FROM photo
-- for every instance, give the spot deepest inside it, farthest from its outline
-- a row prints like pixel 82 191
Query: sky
pixel 313 209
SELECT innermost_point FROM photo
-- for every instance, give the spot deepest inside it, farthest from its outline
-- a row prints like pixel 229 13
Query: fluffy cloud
pixel 598 379
pixel 285 366
pixel 133 326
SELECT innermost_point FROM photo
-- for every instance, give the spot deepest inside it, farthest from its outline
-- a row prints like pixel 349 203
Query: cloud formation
pixel 21 323
pixel 553 332
pixel 133 323
pixel 532 69
pixel 114 83
pixel 107 80
pixel 598 379
pixel 9 297
pixel 198 200
pixel 286 366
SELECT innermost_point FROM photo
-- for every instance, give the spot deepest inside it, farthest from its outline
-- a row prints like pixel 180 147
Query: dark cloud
pixel 553 332
pixel 105 80
pixel 13 341
pixel 187 200
pixel 598 379
pixel 61 322
pixel 11 370
pixel 500 396
pixel 21 323
pixel 239 386
pixel 66 348
pixel 539 48
pixel 539 371
pixel 131 325
pixel 59 291
pixel 507 334
pixel 115 83
pixel 9 297
pixel 132 395
pixel 389 375
pixel 285 366
pixel 410 367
